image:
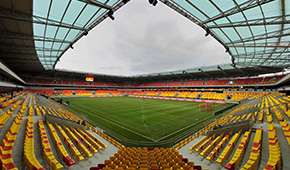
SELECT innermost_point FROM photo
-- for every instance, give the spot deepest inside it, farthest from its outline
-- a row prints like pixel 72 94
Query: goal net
pixel 206 107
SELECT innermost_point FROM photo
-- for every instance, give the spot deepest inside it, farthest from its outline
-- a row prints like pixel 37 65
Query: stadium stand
pixel 224 155
pixel 159 84
pixel 211 145
pixel 153 93
pixel 175 84
pixel 29 156
pixel 71 145
pixel 61 149
pixel 148 158
pixel 213 148
pixel 168 93
pixel 247 81
pixel 255 152
pixel 218 148
pixel 236 159
pixel 47 153
pixel 7 144
pixel 109 139
pixel 37 132
pixel 274 160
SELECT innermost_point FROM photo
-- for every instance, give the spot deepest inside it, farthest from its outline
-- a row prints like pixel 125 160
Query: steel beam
pixel 255 22
pixel 96 3
pixel 18 16
pixel 242 7
pixel 12 47
pixel 22 36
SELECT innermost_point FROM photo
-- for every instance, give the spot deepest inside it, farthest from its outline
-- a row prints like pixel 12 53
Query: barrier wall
pixel 106 96
pixel 234 128
pixel 179 99
pixel 62 121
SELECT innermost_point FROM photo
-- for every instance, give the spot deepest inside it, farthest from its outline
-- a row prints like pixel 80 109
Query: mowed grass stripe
pixel 113 125
pixel 163 117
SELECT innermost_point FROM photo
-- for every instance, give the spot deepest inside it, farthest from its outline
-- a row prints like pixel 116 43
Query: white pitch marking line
pixel 117 124
pixel 181 129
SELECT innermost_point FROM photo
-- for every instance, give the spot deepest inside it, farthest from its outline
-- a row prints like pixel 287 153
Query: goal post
pixel 205 107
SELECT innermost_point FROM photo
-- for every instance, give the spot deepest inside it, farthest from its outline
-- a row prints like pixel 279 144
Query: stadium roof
pixel 35 34
pixel 254 32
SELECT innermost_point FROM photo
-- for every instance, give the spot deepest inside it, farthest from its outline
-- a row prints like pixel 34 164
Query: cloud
pixel 143 39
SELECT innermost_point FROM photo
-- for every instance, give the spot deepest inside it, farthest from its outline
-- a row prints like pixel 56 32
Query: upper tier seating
pixel 191 83
pixel 175 84
pixel 159 84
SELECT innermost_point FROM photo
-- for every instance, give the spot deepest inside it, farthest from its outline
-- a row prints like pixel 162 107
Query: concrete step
pixel 38 151
pixel 264 148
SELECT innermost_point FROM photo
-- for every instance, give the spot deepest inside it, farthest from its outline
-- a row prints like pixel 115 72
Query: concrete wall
pixel 233 129
pixel 61 121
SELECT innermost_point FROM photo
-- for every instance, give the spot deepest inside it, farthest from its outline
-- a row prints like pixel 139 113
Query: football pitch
pixel 139 119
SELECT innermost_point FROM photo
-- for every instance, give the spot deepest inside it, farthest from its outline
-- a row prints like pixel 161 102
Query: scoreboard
pixel 90 78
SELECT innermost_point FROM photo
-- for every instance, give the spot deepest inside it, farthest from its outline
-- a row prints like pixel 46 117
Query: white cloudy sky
pixel 143 39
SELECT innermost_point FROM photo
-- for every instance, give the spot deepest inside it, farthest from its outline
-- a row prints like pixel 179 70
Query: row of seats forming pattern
pixel 144 159
pixel 184 142
pixel 61 149
pixel 83 140
pixel 47 152
pixel 238 155
pixel 111 140
pixel 211 145
pixel 8 102
pixel 255 154
pixel 79 143
pixel 5 116
pixel 286 129
pixel 218 147
pixel 6 161
pixel 274 160
pixel 29 157
pixel 71 145
pixel 228 118
pixel 226 152
pixel 61 112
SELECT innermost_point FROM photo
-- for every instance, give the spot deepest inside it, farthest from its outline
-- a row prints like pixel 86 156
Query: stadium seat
pixel 48 155
pixel 29 157
pixel 211 145
pixel 198 143
pixel 224 155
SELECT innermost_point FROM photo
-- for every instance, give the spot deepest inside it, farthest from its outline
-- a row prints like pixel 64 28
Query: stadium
pixel 226 116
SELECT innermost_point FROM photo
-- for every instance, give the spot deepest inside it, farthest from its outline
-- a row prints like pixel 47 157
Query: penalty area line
pixel 182 129
pixel 115 124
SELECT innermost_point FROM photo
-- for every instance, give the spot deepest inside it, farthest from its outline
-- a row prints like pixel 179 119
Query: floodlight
pixel 111 13
pixel 71 46
pixel 207 32
pixel 86 33
pixel 227 49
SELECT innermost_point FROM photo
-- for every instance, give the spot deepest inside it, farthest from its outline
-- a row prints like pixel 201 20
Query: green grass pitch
pixel 125 116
